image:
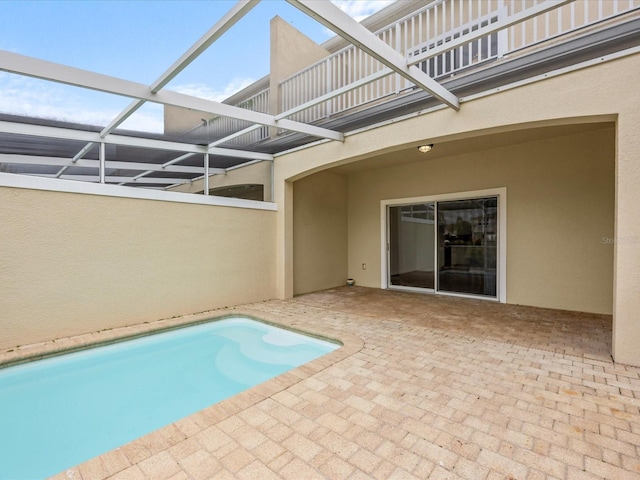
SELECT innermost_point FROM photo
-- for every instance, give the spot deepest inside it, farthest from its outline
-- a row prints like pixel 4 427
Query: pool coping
pixel 116 460
pixel 62 346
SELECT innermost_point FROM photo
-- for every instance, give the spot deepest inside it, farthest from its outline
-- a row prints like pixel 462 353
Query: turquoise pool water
pixel 61 411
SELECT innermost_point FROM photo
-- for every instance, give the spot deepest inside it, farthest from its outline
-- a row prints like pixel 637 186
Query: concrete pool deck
pixel 424 387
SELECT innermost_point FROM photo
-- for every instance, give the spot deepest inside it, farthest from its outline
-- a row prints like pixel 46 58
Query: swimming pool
pixel 61 411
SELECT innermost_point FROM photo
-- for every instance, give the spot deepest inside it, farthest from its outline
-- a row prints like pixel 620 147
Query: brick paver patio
pixel 424 387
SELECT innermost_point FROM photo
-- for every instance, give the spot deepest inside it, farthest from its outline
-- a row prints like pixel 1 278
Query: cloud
pixel 361 9
pixel 358 9
pixel 201 90
pixel 37 98
pixel 149 118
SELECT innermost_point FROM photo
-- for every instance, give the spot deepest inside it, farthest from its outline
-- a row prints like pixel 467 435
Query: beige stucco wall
pixel 320 232
pixel 290 52
pixel 178 120
pixel 603 91
pixel 73 263
pixel 256 173
pixel 626 299
pixel 560 205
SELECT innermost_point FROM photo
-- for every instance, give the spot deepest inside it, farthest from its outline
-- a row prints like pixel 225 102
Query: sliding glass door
pixel 448 246
pixel 467 246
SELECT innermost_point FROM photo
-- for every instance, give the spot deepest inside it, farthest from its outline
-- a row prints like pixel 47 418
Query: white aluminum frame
pixel 501 268
pixel 141 94
pixel 84 136
pixel 225 23
pixel 45 70
pixel 38 160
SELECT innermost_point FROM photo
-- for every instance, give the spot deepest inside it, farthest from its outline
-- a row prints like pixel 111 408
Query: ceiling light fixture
pixel 425 148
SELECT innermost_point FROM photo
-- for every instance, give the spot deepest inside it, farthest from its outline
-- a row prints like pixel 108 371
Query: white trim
pixel 501 277
pixel 14 180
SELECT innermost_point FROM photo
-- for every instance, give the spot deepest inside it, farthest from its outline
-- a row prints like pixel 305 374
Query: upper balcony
pixel 467 46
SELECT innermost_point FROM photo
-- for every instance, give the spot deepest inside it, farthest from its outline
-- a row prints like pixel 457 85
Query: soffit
pixel 468 145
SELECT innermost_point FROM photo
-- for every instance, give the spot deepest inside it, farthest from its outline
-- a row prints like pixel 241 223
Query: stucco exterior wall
pixel 291 51
pixel 560 206
pixel 603 91
pixel 72 263
pixel 626 297
pixel 320 232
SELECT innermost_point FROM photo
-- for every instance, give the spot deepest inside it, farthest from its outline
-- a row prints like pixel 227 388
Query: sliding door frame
pixel 501 267
pixel 387 264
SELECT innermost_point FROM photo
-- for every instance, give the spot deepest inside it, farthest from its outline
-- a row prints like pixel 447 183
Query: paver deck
pixel 424 387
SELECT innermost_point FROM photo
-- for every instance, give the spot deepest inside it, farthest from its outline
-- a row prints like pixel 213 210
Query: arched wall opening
pixel 560 211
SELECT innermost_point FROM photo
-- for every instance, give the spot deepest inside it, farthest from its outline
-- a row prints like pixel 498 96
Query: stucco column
pixel 283 196
pixel 291 51
pixel 626 277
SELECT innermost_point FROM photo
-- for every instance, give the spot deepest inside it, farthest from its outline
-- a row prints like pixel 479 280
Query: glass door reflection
pixel 467 246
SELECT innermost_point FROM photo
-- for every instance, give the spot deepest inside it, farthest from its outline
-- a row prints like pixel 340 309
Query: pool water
pixel 61 411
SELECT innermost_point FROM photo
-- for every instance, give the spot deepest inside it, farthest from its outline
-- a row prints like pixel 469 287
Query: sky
pixel 139 40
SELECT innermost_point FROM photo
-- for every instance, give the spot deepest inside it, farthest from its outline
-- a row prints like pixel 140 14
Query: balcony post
pixel 206 174
pixel 329 104
pixel 103 159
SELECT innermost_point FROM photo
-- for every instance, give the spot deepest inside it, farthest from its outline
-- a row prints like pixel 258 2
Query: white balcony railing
pixel 432 26
pixel 220 127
